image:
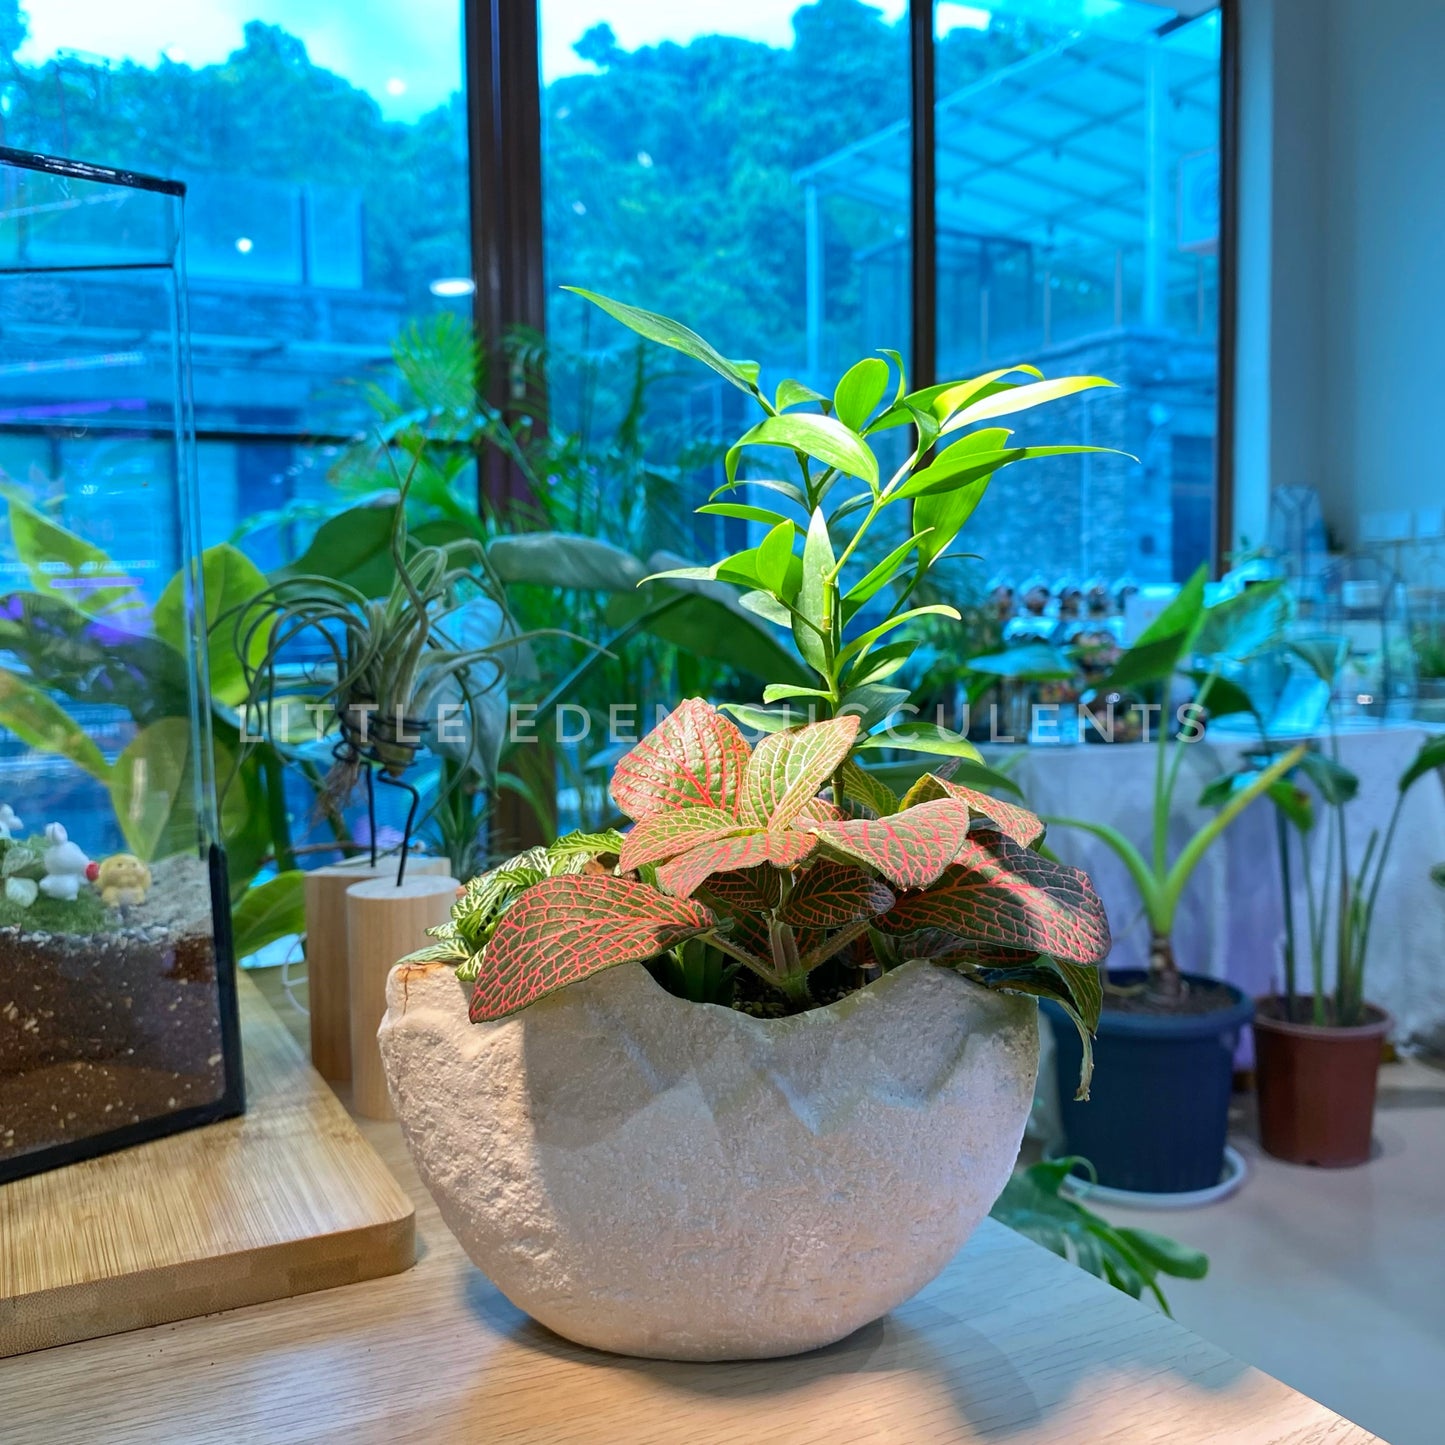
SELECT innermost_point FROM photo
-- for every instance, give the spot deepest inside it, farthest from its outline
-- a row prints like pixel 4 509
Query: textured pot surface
pixel 1316 1087
pixel 656 1177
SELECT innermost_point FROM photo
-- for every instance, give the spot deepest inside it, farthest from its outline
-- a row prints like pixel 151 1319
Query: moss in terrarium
pixel 86 914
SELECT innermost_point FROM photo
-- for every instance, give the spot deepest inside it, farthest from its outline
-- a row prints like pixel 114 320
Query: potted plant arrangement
pixel 738 1080
pixel 1166 1038
pixel 1317 1052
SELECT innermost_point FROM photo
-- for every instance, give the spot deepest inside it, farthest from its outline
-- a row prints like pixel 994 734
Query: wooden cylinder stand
pixel 326 967
pixel 384 923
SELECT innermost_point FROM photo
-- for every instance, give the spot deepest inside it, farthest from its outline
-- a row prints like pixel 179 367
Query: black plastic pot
pixel 1159 1107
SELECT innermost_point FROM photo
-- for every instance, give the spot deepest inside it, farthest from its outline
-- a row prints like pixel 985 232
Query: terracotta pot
pixel 1317 1086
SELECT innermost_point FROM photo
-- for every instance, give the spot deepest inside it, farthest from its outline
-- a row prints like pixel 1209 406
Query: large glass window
pixel 323 143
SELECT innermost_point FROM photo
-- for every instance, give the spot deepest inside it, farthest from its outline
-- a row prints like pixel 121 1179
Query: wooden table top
pixel 1010 1344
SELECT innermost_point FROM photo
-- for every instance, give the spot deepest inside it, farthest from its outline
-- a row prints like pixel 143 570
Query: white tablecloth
pixel 1231 923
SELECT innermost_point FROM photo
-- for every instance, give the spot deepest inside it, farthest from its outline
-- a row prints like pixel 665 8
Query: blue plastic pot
pixel 1159 1107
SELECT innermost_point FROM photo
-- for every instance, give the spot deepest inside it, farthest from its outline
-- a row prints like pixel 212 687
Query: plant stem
pixel 1165 981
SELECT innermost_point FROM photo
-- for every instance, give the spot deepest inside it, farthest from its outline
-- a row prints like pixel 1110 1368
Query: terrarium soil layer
pixel 105 1029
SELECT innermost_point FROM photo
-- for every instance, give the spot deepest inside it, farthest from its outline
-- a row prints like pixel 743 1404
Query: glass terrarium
pixel 117 987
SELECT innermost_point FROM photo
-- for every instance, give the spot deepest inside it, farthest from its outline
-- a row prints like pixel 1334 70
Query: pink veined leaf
pixel 694 758
pixel 830 894
pixel 1023 827
pixel 568 928
pixel 820 810
pixel 940 946
pixel 754 890
pixel 788 847
pixel 685 874
pixel 1000 894
pixel 910 849
pixel 665 835
pixel 788 768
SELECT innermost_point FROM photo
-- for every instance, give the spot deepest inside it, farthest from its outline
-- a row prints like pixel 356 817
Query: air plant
pixel 397 672
pixel 736 863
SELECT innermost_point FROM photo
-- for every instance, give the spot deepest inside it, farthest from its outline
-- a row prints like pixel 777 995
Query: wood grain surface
pixel 1009 1344
pixel 286 1199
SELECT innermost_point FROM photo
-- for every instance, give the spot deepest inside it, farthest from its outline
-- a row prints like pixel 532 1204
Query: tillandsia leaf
pixel 562 930
pixel 1016 823
pixel 664 835
pixel 693 758
pixel 667 332
pixel 911 850
pixel 824 438
pixel 789 768
pixel 831 894
pixel 996 892
pixel 873 793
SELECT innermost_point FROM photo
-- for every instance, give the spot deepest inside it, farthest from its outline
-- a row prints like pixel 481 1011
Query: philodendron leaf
pixel 831 894
pixel 1016 823
pixel 694 758
pixel 39 722
pixel 789 768
pixel 230 579
pixel 562 559
pixel 269 911
pixel 64 565
pixel 664 835
pixel 823 438
pixel 562 930
pixel 666 332
pixel 998 893
pixel 911 850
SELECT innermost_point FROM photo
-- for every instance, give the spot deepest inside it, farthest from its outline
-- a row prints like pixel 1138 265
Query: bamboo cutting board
pixel 287 1199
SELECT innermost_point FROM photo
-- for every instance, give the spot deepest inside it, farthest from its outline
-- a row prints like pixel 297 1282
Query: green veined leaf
pixel 693 758
pixel 911 850
pixel 562 930
pixel 781 848
pixel 822 437
pixel 831 894
pixel 667 332
pixel 860 390
pixel 788 768
pixel 591 845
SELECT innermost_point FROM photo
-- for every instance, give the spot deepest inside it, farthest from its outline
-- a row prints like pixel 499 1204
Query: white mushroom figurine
pixel 66 867
pixel 10 825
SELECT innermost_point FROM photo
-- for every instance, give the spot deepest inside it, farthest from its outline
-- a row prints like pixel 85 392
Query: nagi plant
pixel 734 852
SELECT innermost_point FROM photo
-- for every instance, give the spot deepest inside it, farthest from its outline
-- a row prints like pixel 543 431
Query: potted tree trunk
pixel 1317 1050
pixel 1158 1121
pixel 743 1078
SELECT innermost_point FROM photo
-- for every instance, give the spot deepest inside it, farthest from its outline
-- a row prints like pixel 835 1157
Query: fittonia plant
pixel 736 862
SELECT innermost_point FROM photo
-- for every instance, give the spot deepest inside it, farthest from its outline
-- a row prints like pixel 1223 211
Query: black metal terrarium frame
pixel 230 1100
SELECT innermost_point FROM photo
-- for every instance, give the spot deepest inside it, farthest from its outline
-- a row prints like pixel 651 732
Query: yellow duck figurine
pixel 123 880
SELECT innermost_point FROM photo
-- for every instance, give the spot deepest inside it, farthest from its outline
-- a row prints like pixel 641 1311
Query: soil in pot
pixel 113 1019
pixel 1316 1084
pixel 1158 1113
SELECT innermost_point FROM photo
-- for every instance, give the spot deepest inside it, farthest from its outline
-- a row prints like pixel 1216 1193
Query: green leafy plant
pixel 813 571
pixel 1132 1260
pixel 733 849
pixel 1185 632
pixel 1340 905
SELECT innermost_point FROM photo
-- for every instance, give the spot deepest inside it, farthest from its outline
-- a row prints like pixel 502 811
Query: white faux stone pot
pixel 656 1177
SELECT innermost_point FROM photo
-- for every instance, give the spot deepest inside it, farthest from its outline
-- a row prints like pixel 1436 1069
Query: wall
pixel 1341 363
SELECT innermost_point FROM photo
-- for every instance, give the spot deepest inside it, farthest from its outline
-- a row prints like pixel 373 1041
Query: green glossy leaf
pixel 230 580
pixel 667 332
pixel 1035 662
pixel 1337 785
pixel 861 644
pixel 918 736
pixel 563 559
pixel 815 594
pixel 269 911
pixel 765 605
pixel 353 547
pixel 790 490
pixel 744 513
pixel 1429 759
pixel 824 438
pixel 950 471
pixel 859 392
pixel 871 702
pixel 1167 1255
pixel 881 662
pixel 878 577
pixel 39 722
pixel 781 692
pixel 562 930
pixel 764 719
pixel 950 396
pixel 1224 698
pixel 941 516
pixel 1164 643
pixel 793 393
pixel 1023 398
pixel 775 560
pixel 1241 626
pixel 62 565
